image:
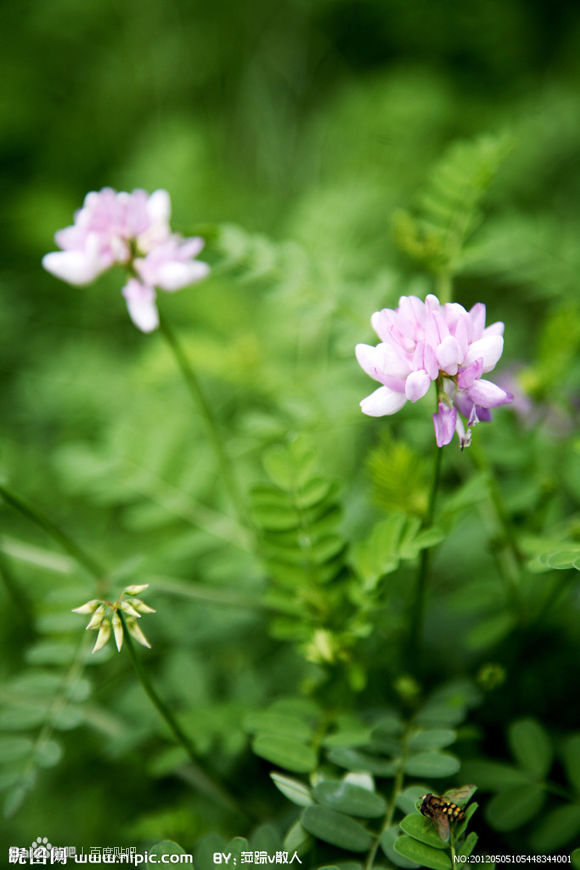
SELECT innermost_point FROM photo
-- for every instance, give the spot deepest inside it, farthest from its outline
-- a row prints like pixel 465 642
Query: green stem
pixel 444 287
pixel 66 542
pixel 552 596
pixel 397 789
pixel 197 394
pixel 204 782
pixel 452 850
pixel 417 614
pixel 15 592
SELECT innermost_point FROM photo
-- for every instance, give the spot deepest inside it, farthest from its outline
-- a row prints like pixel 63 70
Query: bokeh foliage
pixel 326 151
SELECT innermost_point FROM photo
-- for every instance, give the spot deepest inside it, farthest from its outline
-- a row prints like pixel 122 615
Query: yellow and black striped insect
pixel 443 809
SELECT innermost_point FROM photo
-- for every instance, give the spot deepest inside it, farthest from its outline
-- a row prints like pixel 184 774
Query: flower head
pixel 130 229
pixel 423 342
pixel 108 615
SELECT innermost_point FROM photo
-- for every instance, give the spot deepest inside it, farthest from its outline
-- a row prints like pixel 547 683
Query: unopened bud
pixel 117 630
pixel 136 589
pixel 97 617
pixel 136 632
pixel 89 607
pixel 103 636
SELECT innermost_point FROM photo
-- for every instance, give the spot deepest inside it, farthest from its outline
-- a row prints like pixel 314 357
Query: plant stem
pixel 444 287
pixel 197 394
pixel 15 592
pixel 66 542
pixel 416 631
pixel 397 788
pixel 204 782
pixel 452 850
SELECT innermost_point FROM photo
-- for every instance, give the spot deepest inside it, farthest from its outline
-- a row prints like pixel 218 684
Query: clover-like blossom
pixel 423 342
pixel 130 229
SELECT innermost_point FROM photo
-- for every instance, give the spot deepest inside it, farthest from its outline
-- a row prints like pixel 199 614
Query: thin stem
pixel 452 849
pixel 417 614
pixel 388 820
pixel 552 596
pixel 197 394
pixel 66 542
pixel 14 590
pixel 444 287
pixel 204 782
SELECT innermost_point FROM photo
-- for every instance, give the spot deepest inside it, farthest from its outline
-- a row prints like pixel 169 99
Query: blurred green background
pixel 309 123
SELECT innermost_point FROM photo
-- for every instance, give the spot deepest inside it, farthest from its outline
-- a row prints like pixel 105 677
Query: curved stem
pixel 204 782
pixel 417 613
pixel 66 542
pixel 197 394
pixel 444 287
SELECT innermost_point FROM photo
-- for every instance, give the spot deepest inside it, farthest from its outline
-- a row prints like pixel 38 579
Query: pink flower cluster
pixel 426 341
pixel 131 229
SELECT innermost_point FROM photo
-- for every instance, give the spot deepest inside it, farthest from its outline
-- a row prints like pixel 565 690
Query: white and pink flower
pixel 130 229
pixel 423 342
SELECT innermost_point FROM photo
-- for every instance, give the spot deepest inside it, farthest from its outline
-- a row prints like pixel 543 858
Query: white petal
pixel 489 349
pixel 159 207
pixel 417 385
pixel 175 275
pixel 74 267
pixel 383 401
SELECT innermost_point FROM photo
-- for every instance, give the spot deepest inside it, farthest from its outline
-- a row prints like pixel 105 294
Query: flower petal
pixel 489 349
pixel 417 385
pixel 383 401
pixel 141 305
pixel 444 422
pixel 74 267
pixel 175 275
pixel 449 355
pixel 487 394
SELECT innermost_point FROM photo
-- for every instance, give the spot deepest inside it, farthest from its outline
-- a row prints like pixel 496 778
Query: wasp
pixel 443 809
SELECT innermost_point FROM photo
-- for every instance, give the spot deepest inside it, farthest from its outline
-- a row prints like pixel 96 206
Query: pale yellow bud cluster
pixel 106 617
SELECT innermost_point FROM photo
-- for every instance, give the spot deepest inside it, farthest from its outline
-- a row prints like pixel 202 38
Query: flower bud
pixel 118 630
pixel 89 607
pixel 135 589
pixel 97 617
pixel 140 606
pixel 103 636
pixel 127 608
pixel 136 632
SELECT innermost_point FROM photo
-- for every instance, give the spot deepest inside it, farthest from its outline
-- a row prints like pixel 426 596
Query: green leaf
pixel 494 775
pixel 293 789
pixel 22 717
pixel 52 652
pixel 514 807
pixel 388 838
pixel 422 829
pixel 490 631
pixel 571 752
pixel 279 724
pixel 469 844
pixel 531 747
pixel 436 738
pixel 407 799
pixel 421 854
pixel 337 829
pixel 575 856
pixel 48 753
pixel 285 752
pixel 297 839
pixel 432 764
pixel 462 827
pixel 557 829
pixel 350 799
pixel 13 748
pixel 165 847
pixel 353 759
